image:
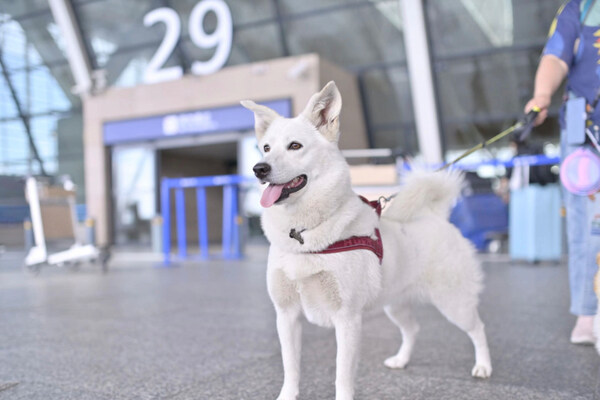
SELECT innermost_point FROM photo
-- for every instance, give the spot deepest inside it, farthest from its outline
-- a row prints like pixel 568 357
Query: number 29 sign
pixel 220 39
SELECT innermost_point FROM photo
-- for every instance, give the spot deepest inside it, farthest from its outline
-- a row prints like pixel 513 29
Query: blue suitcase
pixel 535 224
pixel 479 217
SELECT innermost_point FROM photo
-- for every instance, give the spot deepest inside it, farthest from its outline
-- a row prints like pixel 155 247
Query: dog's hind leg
pixel 465 316
pixel 289 330
pixel 402 316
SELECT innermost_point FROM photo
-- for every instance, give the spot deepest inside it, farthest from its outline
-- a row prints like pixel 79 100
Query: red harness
pixel 359 242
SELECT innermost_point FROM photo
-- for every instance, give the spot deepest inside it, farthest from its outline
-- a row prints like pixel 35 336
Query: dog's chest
pixel 320 297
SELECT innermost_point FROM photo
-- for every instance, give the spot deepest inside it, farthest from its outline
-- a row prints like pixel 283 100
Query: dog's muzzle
pixel 261 170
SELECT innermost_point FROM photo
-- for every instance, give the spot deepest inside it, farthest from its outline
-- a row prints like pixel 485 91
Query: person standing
pixel 573 52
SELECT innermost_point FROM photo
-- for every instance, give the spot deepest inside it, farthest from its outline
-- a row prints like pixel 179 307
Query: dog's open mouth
pixel 276 192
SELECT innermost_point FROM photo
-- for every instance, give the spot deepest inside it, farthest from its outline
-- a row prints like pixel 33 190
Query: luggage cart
pixel 53 216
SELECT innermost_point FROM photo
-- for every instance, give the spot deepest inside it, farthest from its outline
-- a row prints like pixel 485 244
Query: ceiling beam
pixel 79 60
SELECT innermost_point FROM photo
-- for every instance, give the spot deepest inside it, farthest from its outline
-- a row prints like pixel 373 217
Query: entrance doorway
pixel 137 170
pixel 206 160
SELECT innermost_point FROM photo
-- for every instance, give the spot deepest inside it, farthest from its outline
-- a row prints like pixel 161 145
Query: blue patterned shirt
pixel 577 43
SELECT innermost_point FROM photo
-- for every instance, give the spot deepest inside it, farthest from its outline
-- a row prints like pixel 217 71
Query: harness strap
pixel 359 242
pixel 376 204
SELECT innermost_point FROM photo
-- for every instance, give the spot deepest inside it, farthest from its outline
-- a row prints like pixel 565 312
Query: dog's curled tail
pixel 423 192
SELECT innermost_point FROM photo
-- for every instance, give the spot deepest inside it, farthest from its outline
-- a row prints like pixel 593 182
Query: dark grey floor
pixel 207 331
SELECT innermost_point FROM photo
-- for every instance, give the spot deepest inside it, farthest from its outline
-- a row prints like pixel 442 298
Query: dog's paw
pixel 396 362
pixel 482 371
pixel 344 395
pixel 288 394
pixel 286 397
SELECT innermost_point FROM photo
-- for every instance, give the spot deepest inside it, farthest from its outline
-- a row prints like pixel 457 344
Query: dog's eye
pixel 267 148
pixel 294 146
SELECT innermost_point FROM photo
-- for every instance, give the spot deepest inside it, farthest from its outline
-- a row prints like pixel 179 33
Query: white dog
pixel 310 205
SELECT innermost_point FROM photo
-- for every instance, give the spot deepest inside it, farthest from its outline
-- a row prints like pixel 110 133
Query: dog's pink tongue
pixel 271 195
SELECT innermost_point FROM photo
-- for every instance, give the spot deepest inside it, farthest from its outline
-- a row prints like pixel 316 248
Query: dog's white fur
pixel 425 257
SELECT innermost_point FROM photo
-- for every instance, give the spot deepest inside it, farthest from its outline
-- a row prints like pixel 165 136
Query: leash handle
pixel 531 115
pixel 526 124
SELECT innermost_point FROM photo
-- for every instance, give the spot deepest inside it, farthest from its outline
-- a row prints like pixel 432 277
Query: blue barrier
pixel 231 237
pixel 538 159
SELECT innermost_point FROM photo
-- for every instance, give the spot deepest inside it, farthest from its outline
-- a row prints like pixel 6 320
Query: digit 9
pixel 221 38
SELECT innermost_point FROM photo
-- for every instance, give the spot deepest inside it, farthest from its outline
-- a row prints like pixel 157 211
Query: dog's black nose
pixel 261 170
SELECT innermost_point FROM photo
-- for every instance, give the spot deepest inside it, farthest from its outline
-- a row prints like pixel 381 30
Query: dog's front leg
pixel 347 334
pixel 289 330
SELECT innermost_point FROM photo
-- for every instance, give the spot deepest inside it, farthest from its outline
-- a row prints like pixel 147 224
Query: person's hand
pixel 542 101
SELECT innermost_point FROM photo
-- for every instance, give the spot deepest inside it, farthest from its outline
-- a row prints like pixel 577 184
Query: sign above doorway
pixel 196 122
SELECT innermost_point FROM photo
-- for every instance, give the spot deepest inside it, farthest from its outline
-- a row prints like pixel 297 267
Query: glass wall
pixel 35 95
pixel 134 193
pixel 363 36
pixel 485 55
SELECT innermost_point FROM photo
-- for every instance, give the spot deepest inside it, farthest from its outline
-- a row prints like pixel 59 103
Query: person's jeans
pixel 583 244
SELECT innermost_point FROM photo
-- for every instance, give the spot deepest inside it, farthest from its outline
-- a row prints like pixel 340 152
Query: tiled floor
pixel 207 331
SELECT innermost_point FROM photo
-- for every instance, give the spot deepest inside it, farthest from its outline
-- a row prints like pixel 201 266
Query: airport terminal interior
pixel 132 257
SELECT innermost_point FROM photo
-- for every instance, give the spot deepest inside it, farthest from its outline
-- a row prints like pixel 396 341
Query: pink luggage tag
pixel 580 172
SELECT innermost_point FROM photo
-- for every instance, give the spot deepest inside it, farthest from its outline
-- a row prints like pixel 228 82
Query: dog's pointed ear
pixel 323 111
pixel 263 116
